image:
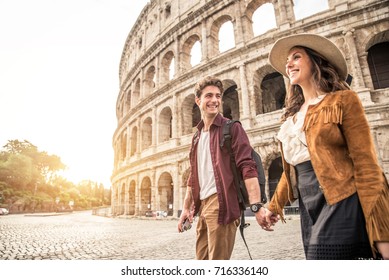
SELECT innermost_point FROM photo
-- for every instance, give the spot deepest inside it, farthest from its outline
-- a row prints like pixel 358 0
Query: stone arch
pixel 165 125
pixel 166 193
pixel 147 133
pixel 378 59
pixel 262 10
pixel 145 196
pixel 134 141
pixel 188 114
pixel 230 100
pixel 122 199
pixel 166 65
pixel 123 146
pixel 149 81
pixel 136 93
pixel 269 90
pixel 215 33
pixel 128 101
pixel 186 52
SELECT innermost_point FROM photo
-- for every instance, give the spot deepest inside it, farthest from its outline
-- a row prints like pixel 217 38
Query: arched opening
pixel 378 60
pixel 165 125
pixel 187 114
pixel 131 198
pixel 165 192
pixel 145 196
pixel 134 141
pixel 147 133
pixel 260 26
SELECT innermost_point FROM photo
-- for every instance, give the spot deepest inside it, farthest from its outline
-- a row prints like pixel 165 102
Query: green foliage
pixel 29 179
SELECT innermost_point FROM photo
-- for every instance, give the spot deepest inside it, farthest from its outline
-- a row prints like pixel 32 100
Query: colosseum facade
pixel 174 43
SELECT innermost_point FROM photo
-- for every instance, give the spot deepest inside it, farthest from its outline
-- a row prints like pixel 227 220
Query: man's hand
pixel 266 219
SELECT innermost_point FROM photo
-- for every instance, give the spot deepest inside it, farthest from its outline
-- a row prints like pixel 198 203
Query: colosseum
pixel 173 44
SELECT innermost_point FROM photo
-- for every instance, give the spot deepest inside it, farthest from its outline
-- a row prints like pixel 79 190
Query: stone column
pixel 137 196
pixel 126 199
pixel 154 126
pixel 245 112
pixel 128 144
pixel 355 68
pixel 176 189
pixel 157 72
pixel 238 26
pixel 175 116
pixel 138 140
pixel 284 13
pixel 204 45
pixel 154 191
pixel 177 58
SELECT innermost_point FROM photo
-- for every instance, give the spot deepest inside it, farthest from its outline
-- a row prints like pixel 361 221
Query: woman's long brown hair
pixel 325 77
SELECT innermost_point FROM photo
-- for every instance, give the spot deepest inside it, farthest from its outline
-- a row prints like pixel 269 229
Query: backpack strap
pixel 226 140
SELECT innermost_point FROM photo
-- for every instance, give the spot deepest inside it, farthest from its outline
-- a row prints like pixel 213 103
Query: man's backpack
pixel 243 196
pixel 239 182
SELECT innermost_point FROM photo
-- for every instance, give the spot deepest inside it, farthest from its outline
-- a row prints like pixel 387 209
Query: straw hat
pixel 320 44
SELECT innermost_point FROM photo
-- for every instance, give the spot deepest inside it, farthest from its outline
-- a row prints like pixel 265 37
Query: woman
pixel 328 155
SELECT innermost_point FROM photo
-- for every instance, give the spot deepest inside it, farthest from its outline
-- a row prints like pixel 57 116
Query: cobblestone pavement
pixel 83 236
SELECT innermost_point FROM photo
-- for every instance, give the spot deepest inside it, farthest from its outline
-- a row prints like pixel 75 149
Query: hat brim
pixel 279 52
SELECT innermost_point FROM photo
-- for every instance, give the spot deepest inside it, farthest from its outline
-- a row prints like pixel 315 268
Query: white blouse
pixel 292 137
pixel 293 140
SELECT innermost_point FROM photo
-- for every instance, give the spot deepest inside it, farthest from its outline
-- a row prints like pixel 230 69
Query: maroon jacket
pixel 226 190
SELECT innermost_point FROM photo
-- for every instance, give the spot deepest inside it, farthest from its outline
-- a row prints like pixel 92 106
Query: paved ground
pixel 83 236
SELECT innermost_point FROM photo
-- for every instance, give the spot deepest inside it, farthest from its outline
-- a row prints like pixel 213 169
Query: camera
pixel 186 225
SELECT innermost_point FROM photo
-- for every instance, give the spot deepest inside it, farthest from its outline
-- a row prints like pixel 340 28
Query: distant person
pixel 211 192
pixel 327 146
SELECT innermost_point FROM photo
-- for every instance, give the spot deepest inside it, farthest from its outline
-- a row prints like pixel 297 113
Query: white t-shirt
pixel 204 167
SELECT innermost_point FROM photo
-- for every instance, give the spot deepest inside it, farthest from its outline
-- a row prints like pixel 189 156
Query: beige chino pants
pixel 214 241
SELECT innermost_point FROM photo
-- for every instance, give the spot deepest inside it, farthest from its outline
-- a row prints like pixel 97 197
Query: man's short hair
pixel 208 81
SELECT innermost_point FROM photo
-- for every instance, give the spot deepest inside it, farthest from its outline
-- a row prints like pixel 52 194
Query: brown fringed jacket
pixel 343 156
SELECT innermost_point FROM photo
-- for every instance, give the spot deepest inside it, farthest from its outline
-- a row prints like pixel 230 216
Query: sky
pixel 59 77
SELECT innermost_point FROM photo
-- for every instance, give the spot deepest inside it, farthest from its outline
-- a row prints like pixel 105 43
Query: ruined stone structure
pixel 155 108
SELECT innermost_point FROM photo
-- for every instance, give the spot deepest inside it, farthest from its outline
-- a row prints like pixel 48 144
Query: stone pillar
pixel 154 191
pixel 138 140
pixel 142 87
pixel 126 199
pixel 355 68
pixel 177 58
pixel 239 32
pixel 284 13
pixel 154 127
pixel 175 116
pixel 176 189
pixel 157 71
pixel 137 196
pixel 245 112
pixel 128 144
pixel 204 45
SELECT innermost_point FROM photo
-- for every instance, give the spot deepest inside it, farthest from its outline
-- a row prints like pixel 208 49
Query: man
pixel 211 192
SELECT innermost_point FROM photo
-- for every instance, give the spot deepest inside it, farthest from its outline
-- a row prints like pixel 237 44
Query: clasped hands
pixel 266 219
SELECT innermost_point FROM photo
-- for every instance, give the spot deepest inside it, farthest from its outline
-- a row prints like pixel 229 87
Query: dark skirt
pixel 330 232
